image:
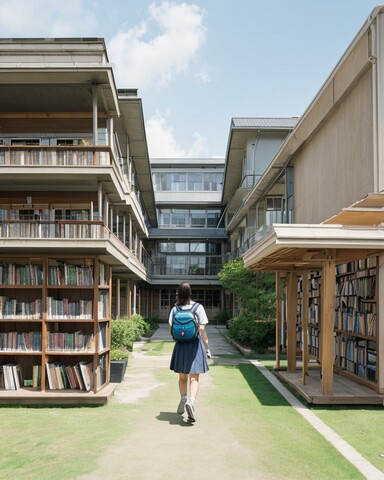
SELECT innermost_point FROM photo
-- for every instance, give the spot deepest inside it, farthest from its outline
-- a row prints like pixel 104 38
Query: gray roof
pixel 257 122
pixel 188 162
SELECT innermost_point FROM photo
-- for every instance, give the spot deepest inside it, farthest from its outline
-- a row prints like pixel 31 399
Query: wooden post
pixel 291 320
pixel 278 319
pixel 326 332
pixel 304 321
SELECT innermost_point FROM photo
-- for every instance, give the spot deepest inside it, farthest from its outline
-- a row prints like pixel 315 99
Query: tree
pixel 255 291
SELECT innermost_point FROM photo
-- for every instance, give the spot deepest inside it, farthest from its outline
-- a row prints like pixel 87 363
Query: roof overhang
pixel 130 126
pixel 366 212
pixel 309 246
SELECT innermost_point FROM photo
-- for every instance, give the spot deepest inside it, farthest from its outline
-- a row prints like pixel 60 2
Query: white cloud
pixel 162 143
pixel 159 48
pixel 56 18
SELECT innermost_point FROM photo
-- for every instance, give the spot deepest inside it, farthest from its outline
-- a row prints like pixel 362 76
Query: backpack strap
pixel 194 307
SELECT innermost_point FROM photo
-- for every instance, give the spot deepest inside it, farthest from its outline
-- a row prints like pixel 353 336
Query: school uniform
pixel 190 357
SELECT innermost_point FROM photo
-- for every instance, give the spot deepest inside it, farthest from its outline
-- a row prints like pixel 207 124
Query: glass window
pixel 213 182
pixel 195 182
pixel 164 216
pixel 197 218
pixel 213 218
pixel 179 218
pixel 197 247
pixel 178 182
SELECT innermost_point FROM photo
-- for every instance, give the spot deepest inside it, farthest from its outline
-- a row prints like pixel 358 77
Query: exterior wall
pixel 335 168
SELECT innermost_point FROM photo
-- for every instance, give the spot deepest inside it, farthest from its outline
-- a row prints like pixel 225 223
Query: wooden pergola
pixel 291 250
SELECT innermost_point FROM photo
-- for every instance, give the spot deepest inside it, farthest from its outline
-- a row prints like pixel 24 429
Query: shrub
pixel 222 317
pixel 256 334
pixel 125 331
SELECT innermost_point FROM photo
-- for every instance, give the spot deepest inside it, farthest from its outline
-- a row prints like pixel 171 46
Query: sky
pixel 199 63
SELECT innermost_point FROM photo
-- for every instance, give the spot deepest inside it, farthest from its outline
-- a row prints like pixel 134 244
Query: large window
pixel 192 182
pixel 193 218
pixel 188 258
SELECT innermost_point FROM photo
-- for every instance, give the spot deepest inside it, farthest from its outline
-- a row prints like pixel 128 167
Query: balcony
pixel 74 236
pixel 68 156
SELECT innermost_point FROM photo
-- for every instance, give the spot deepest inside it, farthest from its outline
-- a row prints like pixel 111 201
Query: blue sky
pixel 198 63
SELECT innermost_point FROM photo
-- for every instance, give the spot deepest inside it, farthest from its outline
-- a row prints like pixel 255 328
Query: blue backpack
pixel 185 324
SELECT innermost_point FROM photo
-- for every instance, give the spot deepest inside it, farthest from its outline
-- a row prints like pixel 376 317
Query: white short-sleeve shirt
pixel 200 312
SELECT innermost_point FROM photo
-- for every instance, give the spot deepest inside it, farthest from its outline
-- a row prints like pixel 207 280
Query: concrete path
pixel 147 451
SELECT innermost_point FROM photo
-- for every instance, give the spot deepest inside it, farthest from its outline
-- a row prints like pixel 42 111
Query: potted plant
pixel 121 344
pixel 119 362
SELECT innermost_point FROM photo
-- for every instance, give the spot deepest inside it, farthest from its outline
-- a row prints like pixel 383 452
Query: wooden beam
pixel 291 320
pixel 327 316
pixel 304 321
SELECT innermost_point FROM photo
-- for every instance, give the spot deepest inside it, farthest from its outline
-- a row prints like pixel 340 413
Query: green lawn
pixel 259 430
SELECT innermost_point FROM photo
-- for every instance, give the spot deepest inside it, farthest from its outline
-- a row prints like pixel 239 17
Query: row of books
pixel 356 265
pixel 70 275
pixel 364 287
pixel 64 308
pixel 20 341
pixel 12 274
pixel 10 308
pixel 10 376
pixel 61 376
pixel 70 342
pixel 351 320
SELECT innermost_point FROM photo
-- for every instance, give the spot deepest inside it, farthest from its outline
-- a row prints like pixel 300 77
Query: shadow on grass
pixel 259 385
pixel 173 419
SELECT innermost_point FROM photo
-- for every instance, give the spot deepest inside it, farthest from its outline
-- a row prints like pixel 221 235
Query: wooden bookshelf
pixel 355 321
pixel 54 324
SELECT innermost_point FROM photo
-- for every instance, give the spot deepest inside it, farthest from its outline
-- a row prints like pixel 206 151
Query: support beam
pixel 291 320
pixel 328 282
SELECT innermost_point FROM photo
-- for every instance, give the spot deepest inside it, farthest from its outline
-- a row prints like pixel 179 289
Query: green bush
pixel 222 317
pixel 125 331
pixel 258 335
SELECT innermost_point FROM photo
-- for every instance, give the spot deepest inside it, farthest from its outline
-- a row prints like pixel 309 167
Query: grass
pixel 256 429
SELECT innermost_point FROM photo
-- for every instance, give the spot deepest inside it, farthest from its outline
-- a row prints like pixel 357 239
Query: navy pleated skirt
pixel 189 357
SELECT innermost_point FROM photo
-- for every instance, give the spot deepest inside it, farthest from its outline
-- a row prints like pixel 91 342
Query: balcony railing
pixel 75 229
pixel 64 156
pixel 249 242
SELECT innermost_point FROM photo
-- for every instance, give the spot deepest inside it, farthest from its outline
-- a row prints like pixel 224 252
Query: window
pixel 178 182
pixel 274 210
pixel 25 141
pixel 179 218
pixel 213 217
pixel 197 218
pixel 213 182
pixel 195 182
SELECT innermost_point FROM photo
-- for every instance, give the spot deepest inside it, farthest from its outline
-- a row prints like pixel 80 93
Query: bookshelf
pixel 54 323
pixel 355 321
pixel 309 301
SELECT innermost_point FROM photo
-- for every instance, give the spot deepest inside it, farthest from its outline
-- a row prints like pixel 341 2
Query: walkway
pixel 213 443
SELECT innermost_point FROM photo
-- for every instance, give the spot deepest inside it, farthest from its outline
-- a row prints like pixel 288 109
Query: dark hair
pixel 184 293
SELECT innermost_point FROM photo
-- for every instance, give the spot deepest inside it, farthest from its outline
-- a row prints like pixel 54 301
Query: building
pixel 190 241
pixel 329 262
pixel 76 198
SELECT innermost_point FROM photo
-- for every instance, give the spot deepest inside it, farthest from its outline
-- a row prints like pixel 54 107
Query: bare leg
pixel 183 383
pixel 194 385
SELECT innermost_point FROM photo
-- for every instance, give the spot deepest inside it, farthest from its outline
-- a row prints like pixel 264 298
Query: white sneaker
pixel 191 411
pixel 181 406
